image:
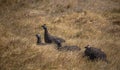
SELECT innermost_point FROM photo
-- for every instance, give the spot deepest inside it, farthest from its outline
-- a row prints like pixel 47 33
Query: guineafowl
pixel 66 48
pixel 39 42
pixel 49 38
pixel 94 53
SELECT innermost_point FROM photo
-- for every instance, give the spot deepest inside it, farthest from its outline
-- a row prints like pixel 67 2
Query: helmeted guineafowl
pixel 49 38
pixel 94 53
pixel 66 48
pixel 39 42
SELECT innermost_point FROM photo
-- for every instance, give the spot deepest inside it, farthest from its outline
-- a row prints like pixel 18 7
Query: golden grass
pixel 18 49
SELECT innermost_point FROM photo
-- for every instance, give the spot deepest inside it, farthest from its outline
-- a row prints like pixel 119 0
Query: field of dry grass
pixel 80 22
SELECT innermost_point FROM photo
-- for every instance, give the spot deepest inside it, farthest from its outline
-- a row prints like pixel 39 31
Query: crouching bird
pixel 94 53
pixel 49 38
pixel 66 48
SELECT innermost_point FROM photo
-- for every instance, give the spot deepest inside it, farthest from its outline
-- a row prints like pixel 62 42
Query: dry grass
pixel 18 26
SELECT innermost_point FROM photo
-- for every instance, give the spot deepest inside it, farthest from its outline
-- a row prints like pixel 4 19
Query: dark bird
pixel 39 42
pixel 66 48
pixel 94 53
pixel 49 38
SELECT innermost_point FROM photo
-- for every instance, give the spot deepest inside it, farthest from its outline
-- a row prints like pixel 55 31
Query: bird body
pixel 95 53
pixel 71 48
pixel 66 48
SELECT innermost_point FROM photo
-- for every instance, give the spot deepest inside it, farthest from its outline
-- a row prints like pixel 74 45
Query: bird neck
pixel 38 40
pixel 46 31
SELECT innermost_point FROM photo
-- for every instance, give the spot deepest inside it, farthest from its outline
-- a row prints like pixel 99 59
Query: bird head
pixel 44 26
pixel 37 35
pixel 88 46
pixel 58 42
